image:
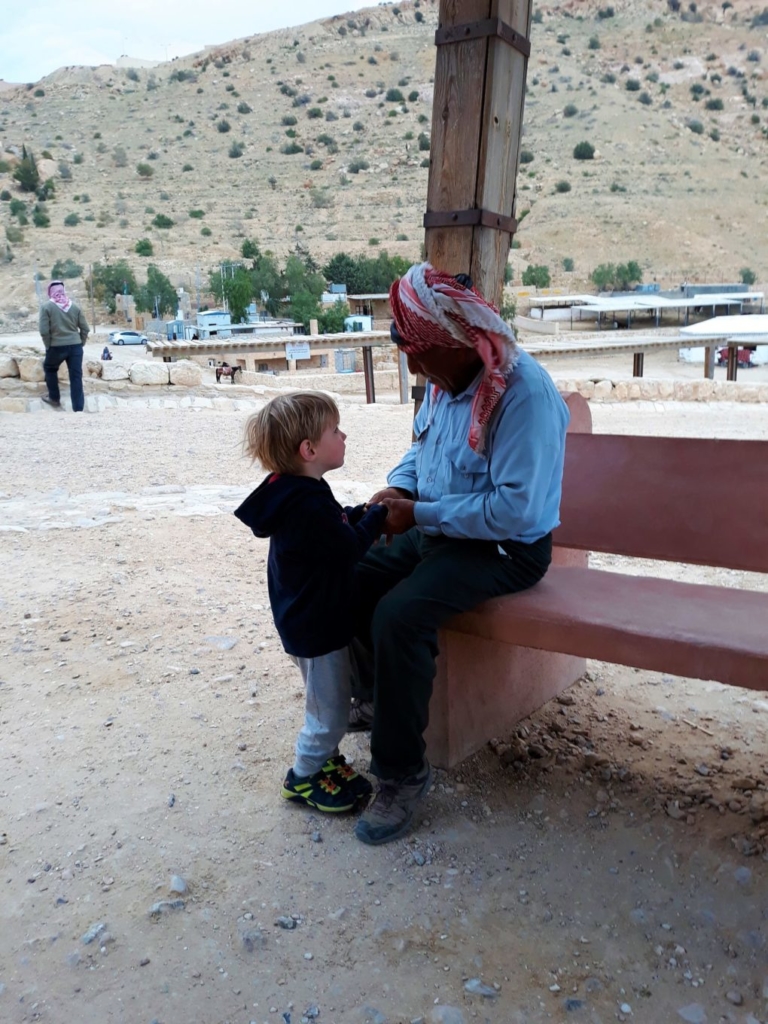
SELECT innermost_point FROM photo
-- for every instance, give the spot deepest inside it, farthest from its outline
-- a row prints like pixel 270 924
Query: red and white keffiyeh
pixel 431 309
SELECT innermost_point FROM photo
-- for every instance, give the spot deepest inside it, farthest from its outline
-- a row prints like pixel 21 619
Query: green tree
pixel 158 295
pixel 27 173
pixel 568 264
pixel 238 291
pixel 747 275
pixel 536 276
pixel 112 279
pixel 332 320
pixel 144 247
pixel 603 276
pixel 627 274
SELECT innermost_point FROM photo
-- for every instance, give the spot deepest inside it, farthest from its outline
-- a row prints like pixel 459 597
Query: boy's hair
pixel 274 434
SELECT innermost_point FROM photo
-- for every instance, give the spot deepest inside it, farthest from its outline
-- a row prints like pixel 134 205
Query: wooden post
pixel 709 361
pixel 402 376
pixel 477 118
pixel 733 361
pixel 370 386
pixel 638 359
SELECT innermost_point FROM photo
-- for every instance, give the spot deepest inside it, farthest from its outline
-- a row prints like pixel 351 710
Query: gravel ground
pixel 600 864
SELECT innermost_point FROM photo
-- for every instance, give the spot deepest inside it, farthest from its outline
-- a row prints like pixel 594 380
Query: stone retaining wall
pixel 116 385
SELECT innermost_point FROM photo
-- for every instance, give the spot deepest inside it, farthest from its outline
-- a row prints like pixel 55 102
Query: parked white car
pixel 127 338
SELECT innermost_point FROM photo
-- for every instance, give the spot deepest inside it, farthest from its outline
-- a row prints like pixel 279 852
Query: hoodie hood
pixel 265 509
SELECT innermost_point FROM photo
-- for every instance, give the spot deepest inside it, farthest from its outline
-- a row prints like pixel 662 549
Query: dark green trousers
pixel 406 592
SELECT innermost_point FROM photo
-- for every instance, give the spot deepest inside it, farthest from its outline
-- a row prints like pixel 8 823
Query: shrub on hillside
pixel 568 264
pixel 747 276
pixel 413 95
pixel 714 104
pixel 526 156
pixel 358 165
pixel 236 150
pixel 162 221
pixel 424 143
pixel 570 110
pixel 696 127
pixel 243 108
pixel 394 96
pixel 632 85
pixel 144 247
pixel 40 217
pixel 197 214
pixel 583 151
pixel 563 186
pixel 645 99
pixel 144 170
pixel 223 126
pixel 66 269
pixel 72 220
pixel 594 43
pixel 290 148
pixel 314 113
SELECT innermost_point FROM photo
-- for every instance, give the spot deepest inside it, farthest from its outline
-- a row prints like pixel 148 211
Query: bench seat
pixel 685 629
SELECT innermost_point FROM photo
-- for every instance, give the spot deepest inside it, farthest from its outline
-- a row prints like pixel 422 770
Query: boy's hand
pixel 400 516
pixel 380 498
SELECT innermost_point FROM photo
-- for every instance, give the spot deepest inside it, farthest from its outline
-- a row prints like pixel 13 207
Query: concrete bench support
pixel 483 688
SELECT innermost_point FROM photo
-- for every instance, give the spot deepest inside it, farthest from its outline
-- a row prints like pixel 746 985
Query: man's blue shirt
pixel 511 491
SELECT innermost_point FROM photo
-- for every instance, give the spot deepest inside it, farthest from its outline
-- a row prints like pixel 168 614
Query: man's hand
pixel 380 497
pixel 400 516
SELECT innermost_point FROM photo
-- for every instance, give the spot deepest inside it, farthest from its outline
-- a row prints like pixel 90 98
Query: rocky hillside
pixel 319 135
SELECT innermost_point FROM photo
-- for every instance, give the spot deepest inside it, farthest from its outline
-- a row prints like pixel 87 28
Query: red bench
pixel 687 500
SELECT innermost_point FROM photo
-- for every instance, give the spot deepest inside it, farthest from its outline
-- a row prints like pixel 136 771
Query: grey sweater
pixel 60 328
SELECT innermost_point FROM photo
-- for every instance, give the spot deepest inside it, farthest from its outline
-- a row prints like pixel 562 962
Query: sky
pixel 39 36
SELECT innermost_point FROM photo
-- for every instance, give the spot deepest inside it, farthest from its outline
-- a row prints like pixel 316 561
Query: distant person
pixel 106 355
pixel 314 546
pixel 64 331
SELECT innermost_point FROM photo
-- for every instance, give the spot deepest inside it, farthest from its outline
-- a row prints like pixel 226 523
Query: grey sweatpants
pixel 329 681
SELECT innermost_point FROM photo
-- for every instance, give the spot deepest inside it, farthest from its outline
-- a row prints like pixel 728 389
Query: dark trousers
pixel 72 355
pixel 406 592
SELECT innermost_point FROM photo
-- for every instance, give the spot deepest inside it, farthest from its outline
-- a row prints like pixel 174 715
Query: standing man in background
pixel 64 331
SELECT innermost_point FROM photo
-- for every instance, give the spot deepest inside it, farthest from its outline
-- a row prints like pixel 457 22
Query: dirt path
pixel 600 865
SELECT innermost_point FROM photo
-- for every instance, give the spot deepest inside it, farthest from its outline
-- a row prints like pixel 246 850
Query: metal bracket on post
pixel 468 219
pixel 481 30
pixel 418 391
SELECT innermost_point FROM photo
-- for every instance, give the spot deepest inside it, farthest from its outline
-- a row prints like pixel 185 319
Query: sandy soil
pixel 148 714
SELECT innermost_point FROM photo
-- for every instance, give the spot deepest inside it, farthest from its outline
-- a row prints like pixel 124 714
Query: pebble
pixel 194 671
pixel 253 938
pixel 734 996
pixel 571 1005
pixel 309 956
pixel 311 1013
pixel 693 1013
pixel 144 962
pixel 93 932
pixel 446 1015
pixel 625 1008
pixel 476 987
pixel 316 837
pixel 418 858
pixel 163 906
pixel 178 885
pixel 286 922
pixel 221 643
pixel 171 799
pixel 374 1016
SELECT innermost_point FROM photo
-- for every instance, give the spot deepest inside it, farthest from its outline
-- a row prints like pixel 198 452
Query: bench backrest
pixel 674 498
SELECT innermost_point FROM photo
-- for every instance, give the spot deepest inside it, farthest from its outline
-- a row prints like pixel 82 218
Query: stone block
pixel 114 371
pixel 586 388
pixel 8 366
pixel 186 374
pixel 621 391
pixel 13 404
pixel 749 393
pixel 634 391
pixel 92 368
pixel 202 403
pixel 603 389
pixel 649 390
pixel 31 368
pixel 147 372
pixel 666 390
pixel 223 405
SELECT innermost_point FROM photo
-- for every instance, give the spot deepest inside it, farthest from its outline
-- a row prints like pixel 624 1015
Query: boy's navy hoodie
pixel 314 545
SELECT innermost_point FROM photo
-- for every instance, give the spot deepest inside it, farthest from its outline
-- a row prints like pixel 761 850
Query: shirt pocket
pixel 467 472
pixel 419 445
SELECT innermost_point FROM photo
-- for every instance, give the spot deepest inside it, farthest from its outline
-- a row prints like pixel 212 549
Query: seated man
pixel 473 504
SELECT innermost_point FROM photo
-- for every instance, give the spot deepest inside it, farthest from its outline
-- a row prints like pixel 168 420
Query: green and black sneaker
pixel 334 789
pixel 358 784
